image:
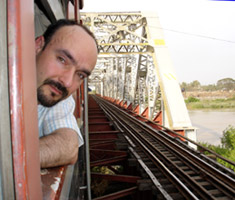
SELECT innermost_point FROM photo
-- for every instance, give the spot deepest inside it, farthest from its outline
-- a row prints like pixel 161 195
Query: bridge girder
pixel 135 67
pixel 124 53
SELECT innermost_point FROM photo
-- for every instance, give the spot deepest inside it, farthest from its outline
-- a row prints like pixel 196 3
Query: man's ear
pixel 39 44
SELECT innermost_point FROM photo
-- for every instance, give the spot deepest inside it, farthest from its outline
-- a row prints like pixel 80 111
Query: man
pixel 65 55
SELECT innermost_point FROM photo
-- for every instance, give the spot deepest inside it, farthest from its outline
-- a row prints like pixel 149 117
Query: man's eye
pixel 62 60
pixel 80 75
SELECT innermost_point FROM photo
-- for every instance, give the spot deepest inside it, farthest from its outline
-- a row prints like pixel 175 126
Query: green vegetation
pixel 228 139
pixel 193 103
pixel 192 100
pixel 203 96
pixel 227 147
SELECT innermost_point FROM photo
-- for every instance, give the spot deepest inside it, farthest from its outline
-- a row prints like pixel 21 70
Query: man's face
pixel 68 58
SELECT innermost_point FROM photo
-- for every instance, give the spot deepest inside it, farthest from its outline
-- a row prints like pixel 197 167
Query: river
pixel 211 124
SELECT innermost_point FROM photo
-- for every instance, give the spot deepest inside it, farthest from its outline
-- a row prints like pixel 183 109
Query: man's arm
pixel 59 148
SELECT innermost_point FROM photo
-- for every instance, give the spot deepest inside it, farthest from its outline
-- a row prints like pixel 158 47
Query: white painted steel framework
pixel 134 66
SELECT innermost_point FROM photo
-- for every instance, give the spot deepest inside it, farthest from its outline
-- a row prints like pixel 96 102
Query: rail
pixel 189 173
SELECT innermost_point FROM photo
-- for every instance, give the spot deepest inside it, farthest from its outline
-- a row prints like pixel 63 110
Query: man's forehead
pixel 63 36
pixel 73 30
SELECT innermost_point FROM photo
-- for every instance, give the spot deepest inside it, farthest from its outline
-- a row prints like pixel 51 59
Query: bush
pixel 192 99
pixel 227 150
pixel 228 139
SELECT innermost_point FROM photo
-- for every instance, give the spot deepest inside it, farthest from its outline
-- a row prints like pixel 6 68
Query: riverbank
pixel 210 95
pixel 216 104
pixel 214 100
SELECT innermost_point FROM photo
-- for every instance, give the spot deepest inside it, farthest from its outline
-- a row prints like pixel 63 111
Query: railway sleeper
pixel 186 168
pixel 188 171
pixel 163 151
pixel 179 163
pixel 163 180
pixel 175 196
pixel 144 174
pixel 217 193
pixel 170 189
pixel 132 162
pixel 208 186
pixel 158 174
pixel 145 159
pixel 191 173
pixel 198 178
pixel 173 158
pixel 144 184
pixel 150 164
pixel 155 143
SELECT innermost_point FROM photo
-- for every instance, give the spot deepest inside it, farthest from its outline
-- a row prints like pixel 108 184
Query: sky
pixel 200 34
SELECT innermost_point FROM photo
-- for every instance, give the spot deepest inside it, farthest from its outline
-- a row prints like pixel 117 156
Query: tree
pixel 228 139
pixel 184 86
pixel 195 85
pixel 226 83
pixel 210 87
pixel 227 150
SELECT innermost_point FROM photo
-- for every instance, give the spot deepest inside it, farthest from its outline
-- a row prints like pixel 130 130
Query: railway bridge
pixel 140 139
pixel 132 157
pixel 134 67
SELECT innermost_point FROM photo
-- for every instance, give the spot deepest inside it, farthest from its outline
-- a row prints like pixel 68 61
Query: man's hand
pixel 59 148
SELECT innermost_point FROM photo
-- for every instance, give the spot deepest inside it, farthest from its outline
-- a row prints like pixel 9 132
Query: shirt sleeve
pixel 61 116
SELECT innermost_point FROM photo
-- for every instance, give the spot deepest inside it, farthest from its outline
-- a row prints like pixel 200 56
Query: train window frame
pixel 66 175
pixel 20 173
pixel 6 164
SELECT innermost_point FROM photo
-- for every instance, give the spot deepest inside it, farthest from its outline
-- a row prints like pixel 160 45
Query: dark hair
pixel 52 28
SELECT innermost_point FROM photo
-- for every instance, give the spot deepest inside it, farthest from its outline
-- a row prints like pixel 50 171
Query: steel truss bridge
pixel 134 67
pixel 141 141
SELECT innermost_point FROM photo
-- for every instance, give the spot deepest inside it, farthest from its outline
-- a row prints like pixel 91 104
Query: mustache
pixel 58 85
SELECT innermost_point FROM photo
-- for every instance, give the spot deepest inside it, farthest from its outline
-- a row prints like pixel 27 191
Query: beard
pixel 49 100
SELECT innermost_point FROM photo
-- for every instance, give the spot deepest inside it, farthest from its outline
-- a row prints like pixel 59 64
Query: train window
pixel 40 21
pixel 56 181
pixel 21 22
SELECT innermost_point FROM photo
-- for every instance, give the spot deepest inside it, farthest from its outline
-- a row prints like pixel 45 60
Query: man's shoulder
pixel 68 100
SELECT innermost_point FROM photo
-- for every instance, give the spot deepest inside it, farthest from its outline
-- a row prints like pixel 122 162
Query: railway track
pixel 177 171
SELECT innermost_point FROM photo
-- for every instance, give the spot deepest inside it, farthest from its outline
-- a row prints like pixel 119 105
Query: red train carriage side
pixel 20 176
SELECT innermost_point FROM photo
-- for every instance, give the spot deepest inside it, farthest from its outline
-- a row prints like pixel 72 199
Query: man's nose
pixel 66 78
